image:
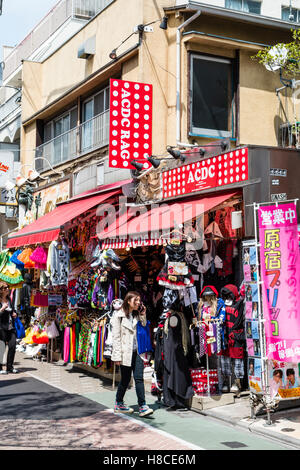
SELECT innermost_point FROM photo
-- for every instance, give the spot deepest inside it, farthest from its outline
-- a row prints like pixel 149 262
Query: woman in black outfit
pixel 7 328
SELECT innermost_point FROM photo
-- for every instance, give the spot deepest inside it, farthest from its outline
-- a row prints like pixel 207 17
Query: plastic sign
pixel 213 172
pixel 130 135
pixel 280 273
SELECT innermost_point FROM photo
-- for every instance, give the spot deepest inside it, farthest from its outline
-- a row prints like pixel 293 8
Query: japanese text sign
pixel 213 172
pixel 280 272
pixel 130 135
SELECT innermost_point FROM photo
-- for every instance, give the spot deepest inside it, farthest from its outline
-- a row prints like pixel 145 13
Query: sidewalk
pixel 285 428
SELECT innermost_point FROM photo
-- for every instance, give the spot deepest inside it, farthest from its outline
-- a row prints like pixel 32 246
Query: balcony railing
pixel 89 136
pixel 59 14
pixel 289 135
pixel 9 107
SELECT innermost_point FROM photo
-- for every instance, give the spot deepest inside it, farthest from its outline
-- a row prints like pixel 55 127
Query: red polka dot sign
pixel 130 135
pixel 213 172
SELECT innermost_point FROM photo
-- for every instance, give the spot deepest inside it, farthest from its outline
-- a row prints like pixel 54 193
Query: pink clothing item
pixel 66 344
pixel 39 256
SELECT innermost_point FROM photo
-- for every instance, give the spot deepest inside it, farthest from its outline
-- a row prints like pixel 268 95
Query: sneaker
pixel 12 371
pixel 145 411
pixel 3 371
pixel 122 408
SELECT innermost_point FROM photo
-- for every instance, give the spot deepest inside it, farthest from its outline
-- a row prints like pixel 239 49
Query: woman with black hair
pixel 7 328
pixel 125 352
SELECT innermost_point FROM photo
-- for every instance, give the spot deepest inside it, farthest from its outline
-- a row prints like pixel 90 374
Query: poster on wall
pixel 130 134
pixel 252 324
pixel 45 200
pixel 284 379
pixel 280 275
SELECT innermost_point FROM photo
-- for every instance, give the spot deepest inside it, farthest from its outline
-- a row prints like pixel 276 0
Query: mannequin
pixel 177 382
pixel 212 308
pixel 232 362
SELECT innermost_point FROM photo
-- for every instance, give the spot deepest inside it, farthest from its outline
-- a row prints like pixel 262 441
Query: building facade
pixel 206 86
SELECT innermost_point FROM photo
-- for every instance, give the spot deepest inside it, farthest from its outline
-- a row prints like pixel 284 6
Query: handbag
pixel 19 328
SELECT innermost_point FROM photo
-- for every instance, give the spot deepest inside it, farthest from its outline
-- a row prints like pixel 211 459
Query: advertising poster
pixel 252 317
pixel 280 275
pixel 284 380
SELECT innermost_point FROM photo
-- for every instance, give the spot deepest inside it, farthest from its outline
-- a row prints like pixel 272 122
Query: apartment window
pixel 94 118
pixel 286 13
pixel 248 6
pixel 212 96
pixel 59 139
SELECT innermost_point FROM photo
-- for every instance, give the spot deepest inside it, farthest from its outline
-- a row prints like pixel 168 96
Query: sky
pixel 19 17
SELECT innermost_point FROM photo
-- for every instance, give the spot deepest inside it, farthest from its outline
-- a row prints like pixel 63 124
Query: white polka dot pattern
pixel 130 123
pixel 228 168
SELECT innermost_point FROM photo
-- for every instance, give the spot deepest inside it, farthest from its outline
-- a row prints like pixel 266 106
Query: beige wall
pixel 155 63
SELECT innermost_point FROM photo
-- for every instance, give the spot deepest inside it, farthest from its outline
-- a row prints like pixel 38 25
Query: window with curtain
pixel 248 6
pixel 212 96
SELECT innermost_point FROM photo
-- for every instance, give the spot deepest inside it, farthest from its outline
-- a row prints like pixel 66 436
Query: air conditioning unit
pixel 87 49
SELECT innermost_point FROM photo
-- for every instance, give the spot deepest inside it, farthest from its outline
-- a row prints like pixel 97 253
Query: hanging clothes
pixel 59 262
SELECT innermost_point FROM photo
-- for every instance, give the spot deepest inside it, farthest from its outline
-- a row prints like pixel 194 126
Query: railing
pixel 91 135
pixel 11 105
pixel 48 25
pixel 289 135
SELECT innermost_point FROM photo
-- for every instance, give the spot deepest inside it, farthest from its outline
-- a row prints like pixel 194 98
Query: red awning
pixel 159 219
pixel 47 228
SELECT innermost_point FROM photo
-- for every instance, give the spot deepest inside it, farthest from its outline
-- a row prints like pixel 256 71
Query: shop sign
pixel 280 275
pixel 130 135
pixel 278 172
pixel 278 197
pixel 213 172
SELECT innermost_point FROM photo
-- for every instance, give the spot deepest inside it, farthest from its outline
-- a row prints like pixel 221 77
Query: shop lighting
pixel 176 154
pixel 113 54
pixel 154 161
pixel 164 23
pixel 137 165
pixel 9 185
pixel 20 180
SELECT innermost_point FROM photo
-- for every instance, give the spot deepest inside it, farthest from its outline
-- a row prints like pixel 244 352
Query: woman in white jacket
pixel 125 352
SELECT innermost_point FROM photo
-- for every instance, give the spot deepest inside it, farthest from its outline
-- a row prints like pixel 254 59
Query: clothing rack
pixel 217 321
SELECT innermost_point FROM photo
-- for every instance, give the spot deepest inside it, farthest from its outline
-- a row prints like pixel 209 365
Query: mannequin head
pixel 230 295
pixel 208 298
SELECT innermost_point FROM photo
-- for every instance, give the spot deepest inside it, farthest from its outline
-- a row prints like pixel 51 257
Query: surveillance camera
pixel 291 18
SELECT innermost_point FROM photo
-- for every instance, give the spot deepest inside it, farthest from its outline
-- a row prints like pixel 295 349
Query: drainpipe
pixel 178 80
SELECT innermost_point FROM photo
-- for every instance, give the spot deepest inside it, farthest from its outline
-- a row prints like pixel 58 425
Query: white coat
pixel 123 332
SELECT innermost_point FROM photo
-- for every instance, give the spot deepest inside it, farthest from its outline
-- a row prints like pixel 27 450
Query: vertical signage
pixel 280 273
pixel 130 135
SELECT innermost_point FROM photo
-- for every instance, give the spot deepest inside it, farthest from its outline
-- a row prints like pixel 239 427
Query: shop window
pixel 290 14
pixel 212 96
pixel 248 6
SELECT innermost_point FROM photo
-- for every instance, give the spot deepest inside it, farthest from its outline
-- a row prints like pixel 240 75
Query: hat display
pixel 209 290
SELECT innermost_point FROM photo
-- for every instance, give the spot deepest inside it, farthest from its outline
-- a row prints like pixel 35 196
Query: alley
pixel 50 406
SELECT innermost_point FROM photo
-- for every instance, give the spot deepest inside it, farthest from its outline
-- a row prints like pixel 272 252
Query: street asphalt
pixel 52 407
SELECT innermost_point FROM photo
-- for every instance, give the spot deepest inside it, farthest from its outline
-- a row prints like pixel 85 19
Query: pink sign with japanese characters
pixel 280 273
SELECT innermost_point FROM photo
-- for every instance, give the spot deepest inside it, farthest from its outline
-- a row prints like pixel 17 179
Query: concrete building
pixel 206 86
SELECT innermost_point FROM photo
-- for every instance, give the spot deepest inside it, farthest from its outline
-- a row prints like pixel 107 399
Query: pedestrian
pixel 125 352
pixel 7 329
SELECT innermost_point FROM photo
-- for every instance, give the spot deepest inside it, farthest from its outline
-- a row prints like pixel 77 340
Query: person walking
pixel 7 329
pixel 125 352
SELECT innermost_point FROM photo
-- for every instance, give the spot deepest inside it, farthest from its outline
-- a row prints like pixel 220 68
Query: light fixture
pixel 20 180
pixel 9 185
pixel 176 154
pixel 113 54
pixel 154 161
pixel 164 23
pixel 33 175
pixel 137 165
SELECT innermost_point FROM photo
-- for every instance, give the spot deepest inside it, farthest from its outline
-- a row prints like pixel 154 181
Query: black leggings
pixel 9 338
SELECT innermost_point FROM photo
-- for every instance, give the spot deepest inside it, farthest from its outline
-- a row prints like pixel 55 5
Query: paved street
pixel 48 406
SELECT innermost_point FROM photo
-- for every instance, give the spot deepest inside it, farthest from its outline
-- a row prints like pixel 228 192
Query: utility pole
pixel 1 3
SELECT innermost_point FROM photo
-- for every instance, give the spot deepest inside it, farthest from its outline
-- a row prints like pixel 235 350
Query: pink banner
pixel 280 272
